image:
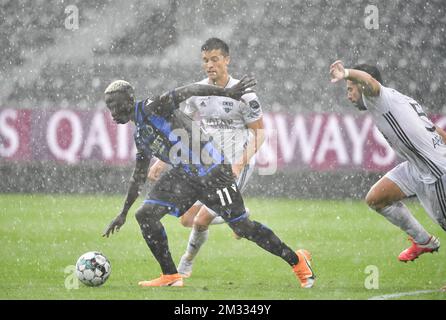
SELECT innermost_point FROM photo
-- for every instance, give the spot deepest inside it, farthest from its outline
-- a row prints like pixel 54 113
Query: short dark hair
pixel 371 70
pixel 215 44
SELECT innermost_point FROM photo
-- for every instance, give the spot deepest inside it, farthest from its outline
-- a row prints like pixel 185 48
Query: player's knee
pixel 140 215
pixel 186 221
pixel 371 200
pixel 374 201
pixel 201 223
pixel 149 212
pixel 200 228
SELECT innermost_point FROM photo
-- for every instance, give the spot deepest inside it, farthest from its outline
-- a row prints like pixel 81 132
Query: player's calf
pixel 153 232
pixel 264 238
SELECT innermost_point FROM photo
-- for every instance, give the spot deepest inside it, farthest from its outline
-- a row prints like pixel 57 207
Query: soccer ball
pixel 93 269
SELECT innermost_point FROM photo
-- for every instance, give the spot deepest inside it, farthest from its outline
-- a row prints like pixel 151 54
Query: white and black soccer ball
pixel 93 269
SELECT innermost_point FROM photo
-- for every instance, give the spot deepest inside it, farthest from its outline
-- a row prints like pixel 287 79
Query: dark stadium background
pixel 288 45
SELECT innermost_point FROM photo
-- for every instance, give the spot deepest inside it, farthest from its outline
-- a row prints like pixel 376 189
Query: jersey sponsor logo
pixel 147 138
pixel 220 123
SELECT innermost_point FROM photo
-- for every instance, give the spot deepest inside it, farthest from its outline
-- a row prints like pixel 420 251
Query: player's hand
pixel 237 91
pixel 156 170
pixel 337 71
pixel 115 225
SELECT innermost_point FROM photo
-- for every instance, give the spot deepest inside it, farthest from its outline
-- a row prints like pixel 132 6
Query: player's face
pixel 215 64
pixel 120 106
pixel 354 94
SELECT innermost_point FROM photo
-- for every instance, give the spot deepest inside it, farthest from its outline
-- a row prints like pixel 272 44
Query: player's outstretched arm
pixel 181 94
pixel 136 181
pixel 370 85
pixel 235 92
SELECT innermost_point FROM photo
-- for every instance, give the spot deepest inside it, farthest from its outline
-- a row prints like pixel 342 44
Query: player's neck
pixel 221 82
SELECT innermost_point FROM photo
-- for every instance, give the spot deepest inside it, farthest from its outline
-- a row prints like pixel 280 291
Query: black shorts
pixel 178 191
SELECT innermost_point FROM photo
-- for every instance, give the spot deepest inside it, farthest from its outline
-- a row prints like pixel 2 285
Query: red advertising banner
pixel 65 136
pixel 318 141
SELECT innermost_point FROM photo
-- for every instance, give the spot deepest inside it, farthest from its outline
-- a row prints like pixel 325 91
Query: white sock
pixel 218 220
pixel 399 215
pixel 196 240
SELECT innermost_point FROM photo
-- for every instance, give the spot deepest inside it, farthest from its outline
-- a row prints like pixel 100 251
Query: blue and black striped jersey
pixel 171 136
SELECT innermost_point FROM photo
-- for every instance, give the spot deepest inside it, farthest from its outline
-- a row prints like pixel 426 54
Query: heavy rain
pixel 66 166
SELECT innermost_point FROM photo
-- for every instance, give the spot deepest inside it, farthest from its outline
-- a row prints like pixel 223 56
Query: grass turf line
pixel 43 234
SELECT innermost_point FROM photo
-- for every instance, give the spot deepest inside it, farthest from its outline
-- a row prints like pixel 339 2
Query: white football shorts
pixel 432 196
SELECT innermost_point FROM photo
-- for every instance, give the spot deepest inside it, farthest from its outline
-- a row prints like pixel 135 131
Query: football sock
pixel 196 240
pixel 264 238
pixel 218 220
pixel 156 238
pixel 399 215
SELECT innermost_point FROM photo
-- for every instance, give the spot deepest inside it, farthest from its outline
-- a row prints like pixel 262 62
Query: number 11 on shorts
pixel 221 193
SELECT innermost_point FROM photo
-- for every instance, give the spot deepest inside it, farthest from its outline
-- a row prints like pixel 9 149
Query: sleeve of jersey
pixel 251 108
pixel 165 109
pixel 142 156
pixel 190 108
pixel 379 101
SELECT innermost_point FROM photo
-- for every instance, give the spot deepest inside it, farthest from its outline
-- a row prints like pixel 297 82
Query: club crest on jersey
pixel 254 104
pixel 227 106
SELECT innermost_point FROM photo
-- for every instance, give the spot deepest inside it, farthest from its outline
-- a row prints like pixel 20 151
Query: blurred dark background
pixel 288 45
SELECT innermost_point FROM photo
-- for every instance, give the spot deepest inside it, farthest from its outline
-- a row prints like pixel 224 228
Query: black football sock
pixel 156 238
pixel 265 238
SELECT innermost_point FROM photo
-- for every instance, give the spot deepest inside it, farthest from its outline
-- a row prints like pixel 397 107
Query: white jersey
pixel 409 132
pixel 226 119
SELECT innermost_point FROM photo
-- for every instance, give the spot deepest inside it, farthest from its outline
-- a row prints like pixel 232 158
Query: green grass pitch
pixel 41 235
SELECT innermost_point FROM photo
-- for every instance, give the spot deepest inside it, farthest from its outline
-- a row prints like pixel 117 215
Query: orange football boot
pixel 166 280
pixel 303 269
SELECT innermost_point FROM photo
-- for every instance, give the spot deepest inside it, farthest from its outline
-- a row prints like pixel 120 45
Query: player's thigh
pixel 175 191
pixel 226 201
pixel 204 217
pixel 433 199
pixel 396 185
pixel 187 219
